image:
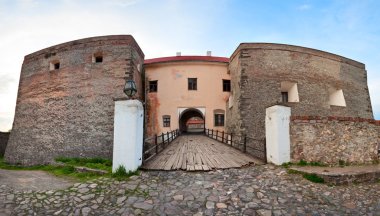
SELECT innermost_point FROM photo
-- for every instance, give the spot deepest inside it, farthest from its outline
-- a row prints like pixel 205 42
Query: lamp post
pixel 130 88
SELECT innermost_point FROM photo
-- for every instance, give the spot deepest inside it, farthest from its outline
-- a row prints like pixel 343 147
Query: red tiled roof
pixel 187 58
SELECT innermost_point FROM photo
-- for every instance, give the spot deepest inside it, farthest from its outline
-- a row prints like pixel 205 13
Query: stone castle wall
pixel 69 112
pixel 333 140
pixel 3 142
pixel 257 70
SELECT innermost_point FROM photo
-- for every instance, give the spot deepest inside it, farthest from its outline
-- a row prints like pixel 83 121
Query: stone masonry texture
pixel 334 141
pixel 3 142
pixel 257 70
pixel 69 112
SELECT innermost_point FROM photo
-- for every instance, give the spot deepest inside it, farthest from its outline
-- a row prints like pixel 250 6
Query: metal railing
pixel 246 144
pixel 155 144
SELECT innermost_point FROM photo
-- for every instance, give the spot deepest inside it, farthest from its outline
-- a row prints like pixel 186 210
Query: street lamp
pixel 130 88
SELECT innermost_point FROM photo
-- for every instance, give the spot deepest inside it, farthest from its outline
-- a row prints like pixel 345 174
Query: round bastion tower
pixel 65 102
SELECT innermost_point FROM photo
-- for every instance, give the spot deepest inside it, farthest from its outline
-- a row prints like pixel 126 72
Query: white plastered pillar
pixel 277 120
pixel 128 135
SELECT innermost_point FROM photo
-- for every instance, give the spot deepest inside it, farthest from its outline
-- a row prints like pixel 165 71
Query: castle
pixel 66 96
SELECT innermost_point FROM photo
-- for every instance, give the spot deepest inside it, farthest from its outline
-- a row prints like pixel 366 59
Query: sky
pixel 164 27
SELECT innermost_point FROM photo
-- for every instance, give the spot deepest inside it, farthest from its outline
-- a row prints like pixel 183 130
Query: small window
pixel 284 97
pixel 192 83
pixel 289 92
pixel 336 97
pixel 153 86
pixel 54 65
pixel 98 59
pixel 226 85
pixel 218 119
pixel 166 120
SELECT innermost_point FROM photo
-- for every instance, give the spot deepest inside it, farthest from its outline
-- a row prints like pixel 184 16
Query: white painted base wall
pixel 277 134
pixel 128 134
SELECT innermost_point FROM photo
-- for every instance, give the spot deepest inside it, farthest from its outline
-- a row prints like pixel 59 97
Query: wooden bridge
pixel 198 152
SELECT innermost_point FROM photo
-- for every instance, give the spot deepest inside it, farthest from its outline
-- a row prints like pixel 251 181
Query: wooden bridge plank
pixel 197 152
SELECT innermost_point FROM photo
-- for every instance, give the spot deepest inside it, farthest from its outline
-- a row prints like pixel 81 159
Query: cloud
pixel 304 7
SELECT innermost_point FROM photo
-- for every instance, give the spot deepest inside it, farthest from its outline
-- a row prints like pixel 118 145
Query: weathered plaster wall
pixel 173 93
pixel 69 112
pixel 332 140
pixel 3 142
pixel 257 71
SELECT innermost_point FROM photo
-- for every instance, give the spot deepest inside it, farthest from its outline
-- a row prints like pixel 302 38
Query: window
pixel 284 97
pixel 166 120
pixel 192 83
pixel 336 97
pixel 153 86
pixel 289 92
pixel 97 57
pixel 226 85
pixel 218 117
pixel 54 65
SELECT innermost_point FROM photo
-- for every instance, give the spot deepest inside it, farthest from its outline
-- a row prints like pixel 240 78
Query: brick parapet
pixel 297 49
pixel 86 43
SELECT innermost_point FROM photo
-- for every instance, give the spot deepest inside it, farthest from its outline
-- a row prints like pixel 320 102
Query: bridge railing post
pixel 222 136
pixel 212 133
pixel 231 140
pixel 155 143
pixel 163 140
pixel 245 144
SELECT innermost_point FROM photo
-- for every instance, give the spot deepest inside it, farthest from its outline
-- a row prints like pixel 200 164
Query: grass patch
pixel 94 163
pixel 303 163
pixel 121 173
pixel 68 168
pixel 313 178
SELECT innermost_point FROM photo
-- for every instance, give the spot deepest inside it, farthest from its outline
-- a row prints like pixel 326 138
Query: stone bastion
pixel 65 99
pixel 311 82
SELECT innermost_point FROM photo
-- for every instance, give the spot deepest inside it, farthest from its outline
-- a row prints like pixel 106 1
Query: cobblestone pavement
pixel 256 190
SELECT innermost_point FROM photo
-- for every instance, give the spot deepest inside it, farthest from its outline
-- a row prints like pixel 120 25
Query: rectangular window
pixel 98 59
pixel 226 85
pixel 192 83
pixel 166 120
pixel 54 65
pixel 219 119
pixel 153 86
pixel 284 96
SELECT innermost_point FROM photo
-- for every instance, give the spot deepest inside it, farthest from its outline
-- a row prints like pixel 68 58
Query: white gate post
pixel 277 120
pixel 128 135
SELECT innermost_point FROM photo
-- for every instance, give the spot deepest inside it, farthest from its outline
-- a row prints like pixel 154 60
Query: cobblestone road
pixel 256 190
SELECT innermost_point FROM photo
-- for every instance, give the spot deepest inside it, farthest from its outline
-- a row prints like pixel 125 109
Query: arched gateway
pixel 191 120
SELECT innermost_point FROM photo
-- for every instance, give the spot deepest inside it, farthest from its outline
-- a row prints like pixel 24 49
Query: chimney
pixel 208 53
pixel 178 53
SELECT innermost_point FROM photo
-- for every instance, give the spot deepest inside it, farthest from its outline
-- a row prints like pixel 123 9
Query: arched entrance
pixel 191 121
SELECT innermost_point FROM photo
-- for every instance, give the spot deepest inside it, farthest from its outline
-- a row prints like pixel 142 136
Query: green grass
pixel 313 178
pixel 68 168
pixel 94 163
pixel 121 173
pixel 303 163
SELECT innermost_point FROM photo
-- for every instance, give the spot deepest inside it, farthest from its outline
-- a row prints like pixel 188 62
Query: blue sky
pixel 347 28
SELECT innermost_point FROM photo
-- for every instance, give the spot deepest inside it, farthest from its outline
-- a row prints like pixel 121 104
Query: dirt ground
pixel 32 180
